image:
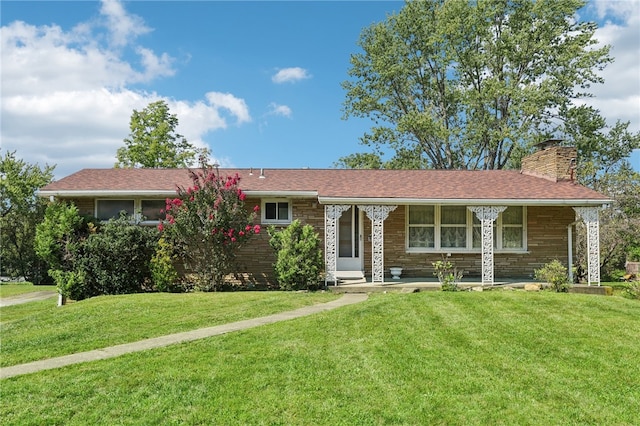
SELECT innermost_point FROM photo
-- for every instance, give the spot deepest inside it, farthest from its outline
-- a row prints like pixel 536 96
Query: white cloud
pixel 122 26
pixel 619 97
pixel 281 110
pixel 66 98
pixel 227 101
pixel 290 75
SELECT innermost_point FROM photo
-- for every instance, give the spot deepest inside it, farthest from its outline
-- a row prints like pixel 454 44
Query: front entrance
pixel 350 241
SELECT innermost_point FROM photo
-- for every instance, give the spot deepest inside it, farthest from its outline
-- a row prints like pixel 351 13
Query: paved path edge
pixel 170 339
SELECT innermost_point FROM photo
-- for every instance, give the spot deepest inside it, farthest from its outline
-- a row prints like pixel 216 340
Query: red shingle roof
pixel 342 184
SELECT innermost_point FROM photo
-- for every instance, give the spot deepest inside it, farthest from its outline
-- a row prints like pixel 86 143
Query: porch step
pixel 349 275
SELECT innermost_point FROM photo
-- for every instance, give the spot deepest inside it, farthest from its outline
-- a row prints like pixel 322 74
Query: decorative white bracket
pixel 591 219
pixel 487 215
pixel 377 214
pixel 332 213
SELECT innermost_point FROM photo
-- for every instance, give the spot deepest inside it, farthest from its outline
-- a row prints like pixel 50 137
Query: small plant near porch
pixel 447 274
pixel 555 274
pixel 299 258
pixel 207 222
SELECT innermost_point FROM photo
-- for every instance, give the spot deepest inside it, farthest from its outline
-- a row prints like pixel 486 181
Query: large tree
pixel 20 211
pixel 153 141
pixel 473 85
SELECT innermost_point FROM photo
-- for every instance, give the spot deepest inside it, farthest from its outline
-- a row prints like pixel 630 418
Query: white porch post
pixel 332 213
pixel 591 219
pixel 487 215
pixel 377 214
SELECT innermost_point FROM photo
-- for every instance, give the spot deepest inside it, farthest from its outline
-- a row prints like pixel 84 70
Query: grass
pixel 39 330
pixel 14 289
pixel 408 359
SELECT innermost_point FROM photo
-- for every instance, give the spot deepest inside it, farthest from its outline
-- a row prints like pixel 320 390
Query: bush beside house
pixel 299 260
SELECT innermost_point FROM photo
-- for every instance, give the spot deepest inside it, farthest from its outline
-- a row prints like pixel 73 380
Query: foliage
pixel 20 211
pixel 87 261
pixel 360 161
pixel 299 259
pixel 633 254
pixel 69 283
pixel 207 223
pixel 619 223
pixel 163 272
pixel 475 84
pixel 555 274
pixel 447 274
pixel 153 142
pixel 57 242
pixel 632 290
pixel 117 259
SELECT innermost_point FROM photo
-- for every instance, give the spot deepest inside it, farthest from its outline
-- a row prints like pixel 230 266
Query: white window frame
pixel 498 228
pixel 276 221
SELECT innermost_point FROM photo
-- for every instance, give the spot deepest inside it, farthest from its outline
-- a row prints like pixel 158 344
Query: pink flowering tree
pixel 207 222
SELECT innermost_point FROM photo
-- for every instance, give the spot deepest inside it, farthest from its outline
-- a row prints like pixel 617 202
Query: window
pixel 150 210
pixel 153 210
pixel 276 211
pixel 512 228
pixel 107 209
pixel 422 220
pixel 453 227
pixel 456 228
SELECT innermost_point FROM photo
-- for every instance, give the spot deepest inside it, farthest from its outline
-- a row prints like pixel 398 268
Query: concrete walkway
pixel 27 297
pixel 187 336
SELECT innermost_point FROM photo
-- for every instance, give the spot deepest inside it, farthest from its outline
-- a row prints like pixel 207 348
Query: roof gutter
pixel 466 202
pixel 164 193
pixel 298 194
pixel 107 193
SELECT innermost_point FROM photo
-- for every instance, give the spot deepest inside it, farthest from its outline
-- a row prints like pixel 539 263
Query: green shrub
pixel 632 290
pixel 70 283
pixel 615 275
pixel 298 256
pixel 163 273
pixel 117 259
pixel 555 274
pixel 447 274
pixel 634 254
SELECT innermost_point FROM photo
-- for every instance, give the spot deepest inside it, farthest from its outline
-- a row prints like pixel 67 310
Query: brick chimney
pixel 555 163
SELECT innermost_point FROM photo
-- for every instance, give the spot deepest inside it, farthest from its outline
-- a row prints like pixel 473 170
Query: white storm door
pixel 350 240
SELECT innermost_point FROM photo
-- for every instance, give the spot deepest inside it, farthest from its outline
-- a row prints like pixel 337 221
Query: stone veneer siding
pixel 552 163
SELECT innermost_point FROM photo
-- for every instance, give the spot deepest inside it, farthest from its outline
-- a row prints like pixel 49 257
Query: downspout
pixel 570 248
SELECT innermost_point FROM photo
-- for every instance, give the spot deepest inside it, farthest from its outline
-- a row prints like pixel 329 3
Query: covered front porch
pixel 369 236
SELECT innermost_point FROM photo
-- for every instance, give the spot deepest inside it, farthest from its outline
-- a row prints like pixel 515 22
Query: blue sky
pixel 256 82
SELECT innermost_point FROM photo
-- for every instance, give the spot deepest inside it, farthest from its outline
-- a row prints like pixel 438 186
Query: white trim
pixel 437 226
pixel 109 194
pixel 465 202
pixel 281 194
pixel 263 211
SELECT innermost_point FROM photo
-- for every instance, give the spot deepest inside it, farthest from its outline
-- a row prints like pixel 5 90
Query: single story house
pixel 488 223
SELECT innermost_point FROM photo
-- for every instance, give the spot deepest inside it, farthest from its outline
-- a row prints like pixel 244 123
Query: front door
pixel 350 240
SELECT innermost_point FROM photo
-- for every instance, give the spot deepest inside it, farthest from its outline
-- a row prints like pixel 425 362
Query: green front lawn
pixel 467 358
pixel 39 330
pixel 14 289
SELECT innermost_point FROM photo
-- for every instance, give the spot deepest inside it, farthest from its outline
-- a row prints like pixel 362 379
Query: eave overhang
pixel 466 202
